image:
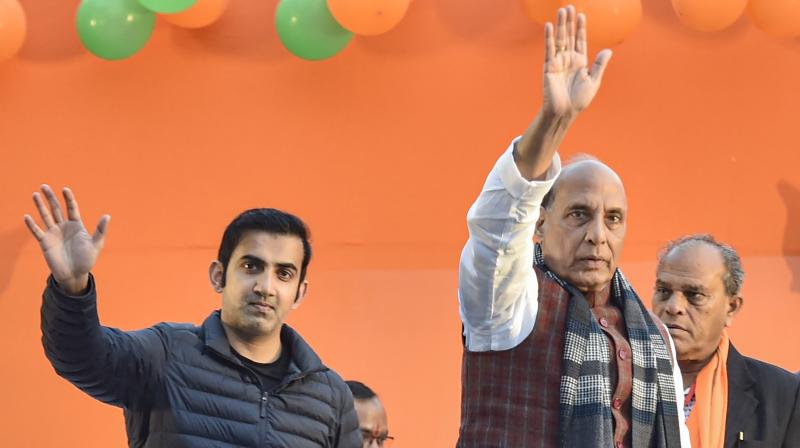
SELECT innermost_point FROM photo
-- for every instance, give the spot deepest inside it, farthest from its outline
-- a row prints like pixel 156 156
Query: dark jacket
pixel 181 386
pixel 763 404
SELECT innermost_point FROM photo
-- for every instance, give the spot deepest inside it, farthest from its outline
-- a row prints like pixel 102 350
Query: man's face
pixel 262 283
pixel 583 230
pixel 372 421
pixel 691 300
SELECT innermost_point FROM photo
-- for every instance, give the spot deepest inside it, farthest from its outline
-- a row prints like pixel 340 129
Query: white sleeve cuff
pixel 518 186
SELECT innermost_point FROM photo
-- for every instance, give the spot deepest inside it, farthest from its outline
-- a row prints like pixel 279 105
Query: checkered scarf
pixel 585 401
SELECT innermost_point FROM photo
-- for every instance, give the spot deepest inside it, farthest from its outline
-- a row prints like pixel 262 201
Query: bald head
pixel 584 167
pixel 582 224
pixel 696 294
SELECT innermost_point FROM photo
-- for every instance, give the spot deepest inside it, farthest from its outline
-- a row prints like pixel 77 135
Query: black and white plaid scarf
pixel 586 419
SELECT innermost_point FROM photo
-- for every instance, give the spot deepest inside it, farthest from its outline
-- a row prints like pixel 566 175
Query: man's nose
pixel 675 303
pixel 263 285
pixel 596 233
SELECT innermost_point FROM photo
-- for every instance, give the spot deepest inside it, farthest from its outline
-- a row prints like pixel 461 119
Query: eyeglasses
pixel 380 441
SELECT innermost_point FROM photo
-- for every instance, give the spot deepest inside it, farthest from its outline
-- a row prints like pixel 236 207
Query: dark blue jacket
pixel 180 385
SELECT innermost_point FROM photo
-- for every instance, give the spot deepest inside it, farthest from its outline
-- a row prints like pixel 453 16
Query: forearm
pixel 82 351
pixel 497 285
pixel 74 342
pixel 71 331
pixel 540 142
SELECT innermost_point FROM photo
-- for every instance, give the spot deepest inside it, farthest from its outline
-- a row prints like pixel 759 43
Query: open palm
pixel 569 86
pixel 68 248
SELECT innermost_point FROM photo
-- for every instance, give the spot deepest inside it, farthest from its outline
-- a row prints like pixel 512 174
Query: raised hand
pixel 69 250
pixel 569 85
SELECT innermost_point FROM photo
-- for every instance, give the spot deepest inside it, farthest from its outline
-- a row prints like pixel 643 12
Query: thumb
pixel 600 64
pixel 99 236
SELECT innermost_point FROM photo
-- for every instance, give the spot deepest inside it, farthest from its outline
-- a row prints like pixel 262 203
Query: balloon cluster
pixel 613 20
pixel 780 18
pixel 318 29
pixel 117 29
pixel 310 29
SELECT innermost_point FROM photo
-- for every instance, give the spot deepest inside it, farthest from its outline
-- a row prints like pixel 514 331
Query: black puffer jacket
pixel 181 386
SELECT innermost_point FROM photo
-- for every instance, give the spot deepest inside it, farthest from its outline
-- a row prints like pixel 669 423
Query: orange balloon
pixel 202 13
pixel 541 11
pixel 608 22
pixel 12 28
pixel 709 15
pixel 368 17
pixel 780 18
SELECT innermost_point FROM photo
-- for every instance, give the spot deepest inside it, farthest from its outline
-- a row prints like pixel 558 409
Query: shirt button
pixel 623 353
pixel 603 322
pixel 617 403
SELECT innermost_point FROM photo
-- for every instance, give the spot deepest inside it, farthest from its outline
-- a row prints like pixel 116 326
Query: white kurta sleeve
pixel 497 287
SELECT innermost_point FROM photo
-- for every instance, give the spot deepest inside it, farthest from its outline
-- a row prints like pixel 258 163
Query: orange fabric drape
pixel 707 420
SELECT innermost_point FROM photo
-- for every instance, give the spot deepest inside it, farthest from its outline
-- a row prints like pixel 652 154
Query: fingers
pixel 43 211
pixel 600 64
pixel 561 30
pixel 35 230
pixel 55 207
pixel 570 28
pixel 99 237
pixel 73 213
pixel 580 39
pixel 549 42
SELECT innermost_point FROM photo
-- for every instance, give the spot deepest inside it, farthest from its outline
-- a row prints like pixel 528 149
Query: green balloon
pixel 307 29
pixel 167 6
pixel 114 29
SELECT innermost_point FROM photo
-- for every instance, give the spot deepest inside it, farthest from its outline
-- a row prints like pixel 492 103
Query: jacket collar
pixel 303 359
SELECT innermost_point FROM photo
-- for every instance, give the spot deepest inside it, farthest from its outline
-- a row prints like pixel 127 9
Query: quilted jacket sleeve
pixel 348 433
pixel 116 367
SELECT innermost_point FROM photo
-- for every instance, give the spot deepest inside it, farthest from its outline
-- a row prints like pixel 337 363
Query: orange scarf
pixel 707 421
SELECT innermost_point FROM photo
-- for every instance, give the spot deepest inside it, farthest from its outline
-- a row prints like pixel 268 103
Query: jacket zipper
pixel 264 397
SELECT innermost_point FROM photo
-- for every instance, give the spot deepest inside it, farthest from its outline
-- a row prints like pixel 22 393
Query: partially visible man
pixel 372 418
pixel 731 400
pixel 243 378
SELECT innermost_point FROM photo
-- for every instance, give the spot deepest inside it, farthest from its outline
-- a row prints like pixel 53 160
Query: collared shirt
pixel 688 401
pixel 498 289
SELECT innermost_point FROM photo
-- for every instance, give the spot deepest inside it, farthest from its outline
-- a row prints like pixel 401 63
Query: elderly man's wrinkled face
pixel 690 298
pixel 583 229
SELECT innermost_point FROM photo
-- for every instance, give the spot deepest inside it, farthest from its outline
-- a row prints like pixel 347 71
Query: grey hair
pixel 734 275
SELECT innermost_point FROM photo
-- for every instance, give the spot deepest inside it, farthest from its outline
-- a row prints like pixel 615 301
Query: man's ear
pixel 735 304
pixel 538 230
pixel 215 274
pixel 301 294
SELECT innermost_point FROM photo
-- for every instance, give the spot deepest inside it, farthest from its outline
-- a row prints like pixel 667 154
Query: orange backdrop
pixel 381 149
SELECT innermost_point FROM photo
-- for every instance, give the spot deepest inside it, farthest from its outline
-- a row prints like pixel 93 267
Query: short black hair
pixel 734 273
pixel 268 220
pixel 360 390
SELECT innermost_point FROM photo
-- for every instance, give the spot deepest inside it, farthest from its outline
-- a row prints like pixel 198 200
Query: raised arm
pixel 569 87
pixel 498 291
pixel 120 368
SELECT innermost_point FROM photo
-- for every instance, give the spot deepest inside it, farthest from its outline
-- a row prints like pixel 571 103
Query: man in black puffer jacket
pixel 241 379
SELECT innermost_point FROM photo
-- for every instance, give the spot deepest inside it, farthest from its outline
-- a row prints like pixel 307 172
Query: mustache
pixel 672 325
pixel 259 299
